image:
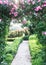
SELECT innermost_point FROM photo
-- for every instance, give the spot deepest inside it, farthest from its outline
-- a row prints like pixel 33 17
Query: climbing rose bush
pixel 36 7
pixel 35 10
pixel 8 9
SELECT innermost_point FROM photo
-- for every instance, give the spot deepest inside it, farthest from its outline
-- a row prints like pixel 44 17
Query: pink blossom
pixel 38 8
pixel 15 14
pixel 33 2
pixel 44 33
pixel 1 2
pixel 44 2
pixel 24 21
pixel 10 13
pixel 5 2
pixel 44 5
pixel 15 6
pixel 39 0
pixel 23 6
pixel 21 1
pixel 11 4
pixel 29 1
pixel 12 9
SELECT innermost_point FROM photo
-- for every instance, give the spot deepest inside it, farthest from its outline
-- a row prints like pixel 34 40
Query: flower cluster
pixel 38 8
pixel 44 33
pixel 4 2
pixel 44 4
pixel 37 5
pixel 8 8
pixel 39 0
pixel 13 10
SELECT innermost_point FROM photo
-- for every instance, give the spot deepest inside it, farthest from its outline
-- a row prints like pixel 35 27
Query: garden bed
pixel 11 50
pixel 37 51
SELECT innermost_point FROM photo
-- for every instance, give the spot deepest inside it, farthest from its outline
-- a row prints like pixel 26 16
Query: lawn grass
pixel 36 50
pixel 11 50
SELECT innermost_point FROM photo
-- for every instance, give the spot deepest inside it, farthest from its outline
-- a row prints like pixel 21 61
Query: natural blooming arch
pixel 12 10
pixel 35 10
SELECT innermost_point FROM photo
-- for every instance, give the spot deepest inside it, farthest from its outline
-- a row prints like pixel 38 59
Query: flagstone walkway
pixel 23 55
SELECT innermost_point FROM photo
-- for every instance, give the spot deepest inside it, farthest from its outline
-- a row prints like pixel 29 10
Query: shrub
pixel 36 50
pixel 16 33
pixel 3 32
pixel 8 58
pixel 26 37
pixel 39 28
pixel 11 50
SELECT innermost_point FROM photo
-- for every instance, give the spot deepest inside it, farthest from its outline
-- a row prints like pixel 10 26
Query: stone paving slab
pixel 23 55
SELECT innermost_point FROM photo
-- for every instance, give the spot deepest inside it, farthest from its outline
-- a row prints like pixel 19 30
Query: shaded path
pixel 23 55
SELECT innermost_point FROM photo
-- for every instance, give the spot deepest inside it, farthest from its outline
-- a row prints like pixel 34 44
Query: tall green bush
pixel 4 25
pixel 37 51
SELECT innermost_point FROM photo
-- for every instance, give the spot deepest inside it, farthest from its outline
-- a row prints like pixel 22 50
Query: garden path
pixel 23 55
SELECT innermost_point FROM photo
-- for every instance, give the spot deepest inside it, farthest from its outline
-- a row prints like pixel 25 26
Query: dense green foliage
pixel 10 51
pixel 26 37
pixel 37 50
pixel 41 27
pixel 3 31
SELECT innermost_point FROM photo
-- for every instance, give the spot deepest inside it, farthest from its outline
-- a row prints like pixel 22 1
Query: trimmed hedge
pixel 37 51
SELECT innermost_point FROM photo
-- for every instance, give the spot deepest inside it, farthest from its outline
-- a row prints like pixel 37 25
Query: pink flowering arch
pixel 35 10
pixel 32 7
